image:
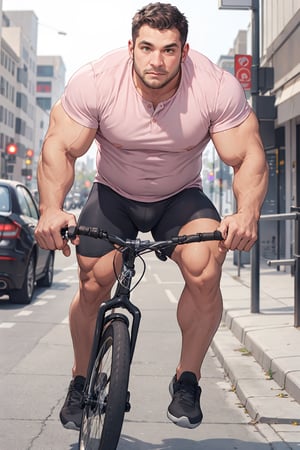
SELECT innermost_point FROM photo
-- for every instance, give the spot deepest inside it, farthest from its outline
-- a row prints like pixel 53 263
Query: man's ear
pixel 185 52
pixel 130 48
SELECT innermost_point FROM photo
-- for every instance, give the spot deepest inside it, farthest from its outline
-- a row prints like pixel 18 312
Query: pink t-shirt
pixel 149 154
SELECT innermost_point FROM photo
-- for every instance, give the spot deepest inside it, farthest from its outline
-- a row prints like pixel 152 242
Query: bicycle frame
pixel 120 299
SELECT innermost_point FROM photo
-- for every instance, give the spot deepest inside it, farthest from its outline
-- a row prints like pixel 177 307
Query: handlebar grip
pixel 68 232
pixel 218 236
pixel 211 236
pixel 82 230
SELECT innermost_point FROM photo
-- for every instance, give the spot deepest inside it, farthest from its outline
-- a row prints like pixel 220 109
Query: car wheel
pixel 24 295
pixel 46 280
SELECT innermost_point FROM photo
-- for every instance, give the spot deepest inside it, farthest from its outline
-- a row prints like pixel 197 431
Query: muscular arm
pixel 65 141
pixel 241 148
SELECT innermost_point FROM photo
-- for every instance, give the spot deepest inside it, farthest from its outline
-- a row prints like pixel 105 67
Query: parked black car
pixel 23 264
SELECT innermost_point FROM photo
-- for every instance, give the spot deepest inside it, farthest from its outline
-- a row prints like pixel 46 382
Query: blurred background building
pixel 279 51
pixel 29 85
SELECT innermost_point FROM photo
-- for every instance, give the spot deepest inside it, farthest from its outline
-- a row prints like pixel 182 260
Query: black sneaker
pixel 71 412
pixel 184 409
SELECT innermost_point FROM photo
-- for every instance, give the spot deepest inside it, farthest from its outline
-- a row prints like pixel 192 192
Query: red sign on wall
pixel 242 70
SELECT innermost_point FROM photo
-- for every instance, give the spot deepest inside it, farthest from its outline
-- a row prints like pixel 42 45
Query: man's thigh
pixel 183 212
pixel 107 210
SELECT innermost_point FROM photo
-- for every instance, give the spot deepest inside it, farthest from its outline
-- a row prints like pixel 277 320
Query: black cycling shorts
pixel 125 218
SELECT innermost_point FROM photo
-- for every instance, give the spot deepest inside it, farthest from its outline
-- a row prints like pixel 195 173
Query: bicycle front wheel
pixel 104 411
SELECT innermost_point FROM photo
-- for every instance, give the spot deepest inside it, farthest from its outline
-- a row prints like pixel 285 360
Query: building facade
pixel 26 94
pixel 280 38
pixel 19 31
pixel 280 126
pixel 51 73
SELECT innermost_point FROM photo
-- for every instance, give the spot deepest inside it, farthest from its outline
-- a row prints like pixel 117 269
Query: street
pixel 35 370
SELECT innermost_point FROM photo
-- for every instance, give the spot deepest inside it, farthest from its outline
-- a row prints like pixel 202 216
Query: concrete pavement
pixel 261 352
pixel 36 359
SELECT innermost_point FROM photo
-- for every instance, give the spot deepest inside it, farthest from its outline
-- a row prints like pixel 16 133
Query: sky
pixel 94 27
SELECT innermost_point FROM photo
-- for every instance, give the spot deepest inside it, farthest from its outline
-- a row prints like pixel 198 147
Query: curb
pixel 264 400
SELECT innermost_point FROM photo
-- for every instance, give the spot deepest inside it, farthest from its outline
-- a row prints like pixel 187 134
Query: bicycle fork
pixel 103 319
pixel 106 315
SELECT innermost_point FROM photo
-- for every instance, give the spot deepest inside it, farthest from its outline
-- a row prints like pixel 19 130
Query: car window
pixel 22 201
pixel 27 205
pixel 31 205
pixel 4 199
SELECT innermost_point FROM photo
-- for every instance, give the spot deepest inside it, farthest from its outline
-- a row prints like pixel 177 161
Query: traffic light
pixel 11 149
pixel 11 152
pixel 29 156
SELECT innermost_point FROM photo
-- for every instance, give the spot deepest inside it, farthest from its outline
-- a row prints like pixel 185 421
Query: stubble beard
pixel 161 85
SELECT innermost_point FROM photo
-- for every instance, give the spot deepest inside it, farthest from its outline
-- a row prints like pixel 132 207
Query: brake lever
pixel 160 255
pixel 68 233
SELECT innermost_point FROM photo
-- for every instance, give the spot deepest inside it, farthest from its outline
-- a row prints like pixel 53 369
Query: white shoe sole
pixel 182 422
pixel 71 426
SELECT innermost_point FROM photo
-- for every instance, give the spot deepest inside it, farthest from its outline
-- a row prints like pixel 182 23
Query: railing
pixel 295 262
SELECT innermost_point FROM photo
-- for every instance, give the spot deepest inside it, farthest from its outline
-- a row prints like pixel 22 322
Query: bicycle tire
pixel 102 419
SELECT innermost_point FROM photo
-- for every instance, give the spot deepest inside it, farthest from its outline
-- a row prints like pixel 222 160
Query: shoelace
pixel 187 392
pixel 75 393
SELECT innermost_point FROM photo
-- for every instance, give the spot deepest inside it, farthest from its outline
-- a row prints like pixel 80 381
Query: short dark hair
pixel 161 16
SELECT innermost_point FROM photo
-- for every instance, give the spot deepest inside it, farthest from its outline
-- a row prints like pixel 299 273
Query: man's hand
pixel 239 232
pixel 48 230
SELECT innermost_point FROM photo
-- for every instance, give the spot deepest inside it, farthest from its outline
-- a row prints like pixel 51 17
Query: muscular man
pixel 152 109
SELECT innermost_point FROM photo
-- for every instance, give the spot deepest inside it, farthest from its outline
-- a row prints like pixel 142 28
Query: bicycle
pixel 106 397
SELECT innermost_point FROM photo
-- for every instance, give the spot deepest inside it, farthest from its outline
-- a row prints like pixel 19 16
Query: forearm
pixel 250 185
pixel 242 149
pixel 55 175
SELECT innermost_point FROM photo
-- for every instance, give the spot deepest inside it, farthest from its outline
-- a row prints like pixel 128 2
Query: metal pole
pixel 255 282
pixel 255 253
pixel 297 268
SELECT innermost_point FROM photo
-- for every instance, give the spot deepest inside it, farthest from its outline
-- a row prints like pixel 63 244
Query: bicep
pixel 67 135
pixel 238 143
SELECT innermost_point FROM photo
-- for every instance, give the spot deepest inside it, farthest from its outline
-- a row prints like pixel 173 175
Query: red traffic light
pixel 11 149
pixel 29 153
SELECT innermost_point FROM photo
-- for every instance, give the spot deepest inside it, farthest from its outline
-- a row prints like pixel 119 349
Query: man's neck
pixel 155 96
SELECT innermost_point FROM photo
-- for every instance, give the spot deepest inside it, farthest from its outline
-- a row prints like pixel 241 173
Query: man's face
pixel 157 55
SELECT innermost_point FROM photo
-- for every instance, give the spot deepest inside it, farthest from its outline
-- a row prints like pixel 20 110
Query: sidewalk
pixel 261 352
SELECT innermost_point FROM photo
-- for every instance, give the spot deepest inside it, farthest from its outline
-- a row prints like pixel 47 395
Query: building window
pixel 44 86
pixel 22 101
pixel 25 54
pixel 3 87
pixel 44 103
pixel 22 75
pixel 45 71
pixel 20 127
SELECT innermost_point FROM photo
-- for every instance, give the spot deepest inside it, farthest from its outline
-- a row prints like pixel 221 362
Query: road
pixel 36 360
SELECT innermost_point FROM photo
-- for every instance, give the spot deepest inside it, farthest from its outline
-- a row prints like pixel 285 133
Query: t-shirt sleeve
pixel 231 108
pixel 79 97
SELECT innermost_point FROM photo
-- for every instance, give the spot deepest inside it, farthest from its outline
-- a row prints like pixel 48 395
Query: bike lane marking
pixel 24 313
pixel 160 281
pixel 171 296
pixel 7 324
pixel 47 296
pixel 40 303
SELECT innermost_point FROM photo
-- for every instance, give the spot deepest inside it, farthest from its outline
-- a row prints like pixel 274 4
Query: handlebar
pixel 137 244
